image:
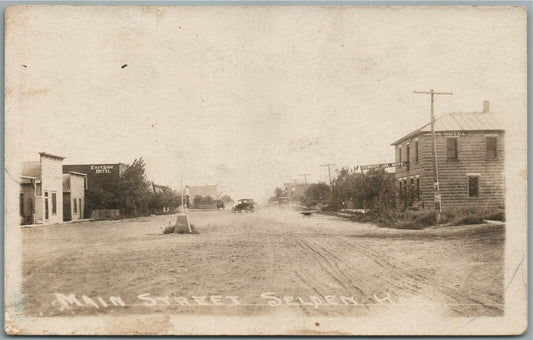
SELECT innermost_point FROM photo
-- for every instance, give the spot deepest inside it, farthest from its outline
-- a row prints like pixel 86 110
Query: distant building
pixel 41 190
pixel 74 196
pixel 203 190
pixel 201 193
pixel 470 157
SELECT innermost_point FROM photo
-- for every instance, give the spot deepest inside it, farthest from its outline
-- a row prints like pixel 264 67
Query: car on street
pixel 244 205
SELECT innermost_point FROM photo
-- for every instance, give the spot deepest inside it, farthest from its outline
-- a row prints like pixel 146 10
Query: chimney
pixel 486 106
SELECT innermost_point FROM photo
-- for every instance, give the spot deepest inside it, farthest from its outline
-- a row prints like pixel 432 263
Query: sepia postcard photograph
pixel 265 170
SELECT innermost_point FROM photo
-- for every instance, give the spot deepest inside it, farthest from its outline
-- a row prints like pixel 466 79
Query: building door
pixel 66 208
pixel 46 214
pixel 80 210
pixel 74 207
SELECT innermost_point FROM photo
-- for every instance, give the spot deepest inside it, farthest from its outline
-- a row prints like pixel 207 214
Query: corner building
pixel 470 162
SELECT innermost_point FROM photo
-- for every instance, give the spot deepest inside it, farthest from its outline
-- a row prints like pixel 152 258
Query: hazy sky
pixel 248 97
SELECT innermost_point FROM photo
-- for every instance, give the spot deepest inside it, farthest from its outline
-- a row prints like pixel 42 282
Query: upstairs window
pixel 492 151
pixel 473 186
pixel 412 192
pixel 451 148
pixel 400 154
pixel 21 202
pixel 407 151
pixel 416 151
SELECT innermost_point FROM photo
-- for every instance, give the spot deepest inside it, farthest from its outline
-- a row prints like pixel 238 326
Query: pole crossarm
pixel 432 92
pixel 329 173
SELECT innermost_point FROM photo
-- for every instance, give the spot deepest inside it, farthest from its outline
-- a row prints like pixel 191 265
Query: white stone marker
pixel 182 220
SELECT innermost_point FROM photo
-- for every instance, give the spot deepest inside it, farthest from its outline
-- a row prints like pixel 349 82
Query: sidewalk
pixel 65 222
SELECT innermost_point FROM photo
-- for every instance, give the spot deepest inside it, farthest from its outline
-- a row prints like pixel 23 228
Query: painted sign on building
pixel 447 133
pixel 380 166
pixel 103 169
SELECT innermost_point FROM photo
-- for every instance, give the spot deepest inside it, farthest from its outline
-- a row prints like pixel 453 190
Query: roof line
pixel 97 164
pixel 46 154
pixel 451 114
pixel 28 177
pixel 77 173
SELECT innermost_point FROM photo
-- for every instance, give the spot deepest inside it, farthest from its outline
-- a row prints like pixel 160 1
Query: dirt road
pixel 269 261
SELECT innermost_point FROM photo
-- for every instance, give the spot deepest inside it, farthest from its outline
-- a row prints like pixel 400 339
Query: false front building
pixel 470 162
pixel 74 196
pixel 41 190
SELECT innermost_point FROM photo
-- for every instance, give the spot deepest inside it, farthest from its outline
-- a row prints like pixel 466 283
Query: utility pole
pixel 436 188
pixel 292 194
pixel 305 177
pixel 329 174
pixel 182 193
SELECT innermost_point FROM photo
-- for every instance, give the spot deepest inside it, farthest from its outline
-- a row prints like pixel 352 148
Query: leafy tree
pixel 316 194
pixel 165 197
pixel 278 193
pixel 134 189
pixel 132 193
pixel 374 190
pixel 226 199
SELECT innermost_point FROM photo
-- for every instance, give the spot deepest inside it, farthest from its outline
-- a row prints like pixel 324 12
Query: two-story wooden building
pixel 470 162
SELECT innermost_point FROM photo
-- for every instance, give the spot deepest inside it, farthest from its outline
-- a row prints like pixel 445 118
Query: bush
pixel 168 229
pixel 317 194
pixel 464 220
pixel 470 215
pixel 416 221
pixel 374 190
pixel 496 216
pixel 421 219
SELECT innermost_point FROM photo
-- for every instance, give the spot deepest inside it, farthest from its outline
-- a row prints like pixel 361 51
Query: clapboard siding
pixel 453 179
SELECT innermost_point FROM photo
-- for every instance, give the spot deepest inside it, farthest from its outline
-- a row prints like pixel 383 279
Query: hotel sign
pixel 103 169
pixel 447 133
pixel 381 165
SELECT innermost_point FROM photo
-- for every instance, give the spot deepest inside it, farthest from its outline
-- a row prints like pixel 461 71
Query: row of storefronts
pixel 51 192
